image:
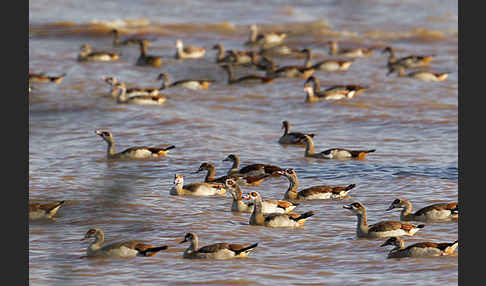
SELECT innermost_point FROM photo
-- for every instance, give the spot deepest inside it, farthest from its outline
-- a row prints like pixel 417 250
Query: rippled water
pixel 412 124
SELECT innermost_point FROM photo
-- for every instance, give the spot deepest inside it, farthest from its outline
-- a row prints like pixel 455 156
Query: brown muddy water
pixel 413 125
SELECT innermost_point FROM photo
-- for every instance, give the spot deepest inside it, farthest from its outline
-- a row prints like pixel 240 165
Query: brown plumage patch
pixel 387 226
pixel 361 154
pixel 408 227
pixel 437 207
pixel 148 250
pixel 255 180
pixel 214 247
pixel 45 207
pixel 297 217
pixel 284 204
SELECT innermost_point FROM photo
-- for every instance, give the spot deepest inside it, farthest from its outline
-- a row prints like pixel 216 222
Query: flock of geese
pixel 263 212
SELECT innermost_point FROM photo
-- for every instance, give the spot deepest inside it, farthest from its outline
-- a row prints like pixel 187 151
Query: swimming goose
pixel 334 153
pixel 147 60
pixel 42 78
pixel 245 79
pixel 128 41
pixel 435 212
pixel 296 138
pixel 333 65
pixel 188 52
pixel 87 54
pixel 337 92
pixel 246 179
pixel 421 249
pixel 275 219
pixel 386 228
pixel 266 39
pixel 41 211
pixel 234 57
pixel 112 81
pixel 138 152
pixel 129 248
pixel 349 53
pixel 138 96
pixel 196 189
pixel 412 61
pixel 250 170
pixel 276 51
pixel 313 193
pixel 215 251
pixel 420 75
pixel 268 206
pixel 194 84
pixel 291 71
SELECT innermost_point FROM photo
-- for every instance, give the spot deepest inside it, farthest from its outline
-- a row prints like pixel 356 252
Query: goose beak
pixel 185 240
pixel 245 196
pixel 348 207
pixel 390 208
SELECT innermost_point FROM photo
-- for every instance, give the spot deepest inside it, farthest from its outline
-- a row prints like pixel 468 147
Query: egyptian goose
pixel 435 212
pixel 196 189
pixel 126 42
pixel 139 152
pixel 420 75
pixel 275 219
pixel 337 92
pixel 250 170
pixel 348 53
pixel 41 211
pixel 266 39
pixel 87 54
pixel 275 51
pixel 412 61
pixel 132 91
pixel 332 65
pixel 245 79
pixel 234 57
pixel 381 229
pixel 188 52
pixel 420 249
pixel 313 193
pixel 291 71
pixel 137 96
pixel 268 206
pixel 129 248
pixel 245 179
pixel 194 84
pixel 334 153
pixel 215 251
pixel 42 78
pixel 147 60
pixel 294 138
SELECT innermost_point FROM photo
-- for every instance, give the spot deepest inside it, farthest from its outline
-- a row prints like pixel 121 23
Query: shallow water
pixel 412 124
